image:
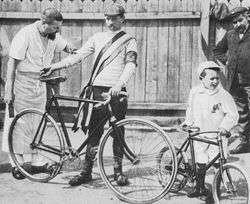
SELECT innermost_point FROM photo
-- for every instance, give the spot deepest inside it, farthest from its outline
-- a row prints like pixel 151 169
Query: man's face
pixel 114 23
pixel 211 80
pixel 240 23
pixel 52 29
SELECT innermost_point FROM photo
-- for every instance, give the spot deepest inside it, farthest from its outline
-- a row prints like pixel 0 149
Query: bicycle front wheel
pixel 36 145
pixel 142 142
pixel 232 186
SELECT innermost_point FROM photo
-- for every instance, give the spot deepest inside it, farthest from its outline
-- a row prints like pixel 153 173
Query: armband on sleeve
pixel 131 56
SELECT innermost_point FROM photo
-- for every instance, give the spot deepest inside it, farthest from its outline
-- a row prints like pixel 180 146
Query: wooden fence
pixel 168 32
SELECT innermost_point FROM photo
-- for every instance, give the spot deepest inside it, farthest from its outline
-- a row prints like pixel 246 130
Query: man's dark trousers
pixel 96 128
pixel 241 95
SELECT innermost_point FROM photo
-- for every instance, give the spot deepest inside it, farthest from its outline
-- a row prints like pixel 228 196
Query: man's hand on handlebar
pixel 45 72
pixel 115 90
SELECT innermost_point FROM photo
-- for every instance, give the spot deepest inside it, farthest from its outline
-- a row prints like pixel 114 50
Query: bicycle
pixel 50 144
pixel 231 182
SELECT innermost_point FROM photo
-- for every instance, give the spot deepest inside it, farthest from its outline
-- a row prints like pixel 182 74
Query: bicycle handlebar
pixel 196 131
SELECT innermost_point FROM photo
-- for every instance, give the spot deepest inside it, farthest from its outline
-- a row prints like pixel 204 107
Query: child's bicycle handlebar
pixel 194 131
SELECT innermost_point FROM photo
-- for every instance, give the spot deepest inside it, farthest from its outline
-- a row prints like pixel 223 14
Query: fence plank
pixel 185 59
pixel 174 62
pixel 152 64
pixel 195 53
pixel 139 78
pixel 71 87
pixel 163 92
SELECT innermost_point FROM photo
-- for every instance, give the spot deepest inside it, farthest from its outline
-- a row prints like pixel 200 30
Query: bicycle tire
pixel 241 185
pixel 36 164
pixel 181 176
pixel 145 139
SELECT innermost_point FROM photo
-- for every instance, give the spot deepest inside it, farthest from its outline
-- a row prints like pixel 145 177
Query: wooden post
pixel 204 26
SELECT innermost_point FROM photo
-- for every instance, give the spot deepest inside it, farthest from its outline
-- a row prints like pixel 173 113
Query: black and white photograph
pixel 124 101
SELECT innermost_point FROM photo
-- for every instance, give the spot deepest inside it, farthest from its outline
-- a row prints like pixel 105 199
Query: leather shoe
pixel 198 192
pixel 241 148
pixel 80 179
pixel 16 173
pixel 121 179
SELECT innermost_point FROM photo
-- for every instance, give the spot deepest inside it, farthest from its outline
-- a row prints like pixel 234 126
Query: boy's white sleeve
pixel 231 114
pixel 189 111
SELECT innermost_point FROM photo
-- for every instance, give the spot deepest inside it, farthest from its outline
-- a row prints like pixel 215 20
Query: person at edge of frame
pixel 112 79
pixel 32 48
pixel 233 50
pixel 211 108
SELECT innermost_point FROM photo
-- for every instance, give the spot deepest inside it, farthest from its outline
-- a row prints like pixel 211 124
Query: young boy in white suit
pixel 211 108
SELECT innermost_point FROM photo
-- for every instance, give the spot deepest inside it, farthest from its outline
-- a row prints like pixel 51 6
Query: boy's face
pixel 211 80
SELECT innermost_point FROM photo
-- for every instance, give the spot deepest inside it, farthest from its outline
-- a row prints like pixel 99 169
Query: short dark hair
pixel 50 15
pixel 203 73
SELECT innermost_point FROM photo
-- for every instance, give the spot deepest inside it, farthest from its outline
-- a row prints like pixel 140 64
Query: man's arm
pixel 129 70
pixel 10 78
pixel 86 50
pixel 221 49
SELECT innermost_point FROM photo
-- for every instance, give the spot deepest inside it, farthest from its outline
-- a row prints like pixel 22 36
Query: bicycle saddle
pixel 53 80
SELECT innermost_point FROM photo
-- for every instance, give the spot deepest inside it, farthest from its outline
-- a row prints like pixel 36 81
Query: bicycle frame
pixel 189 142
pixel 54 99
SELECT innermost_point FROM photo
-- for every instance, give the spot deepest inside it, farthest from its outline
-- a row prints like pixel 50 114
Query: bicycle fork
pixel 222 162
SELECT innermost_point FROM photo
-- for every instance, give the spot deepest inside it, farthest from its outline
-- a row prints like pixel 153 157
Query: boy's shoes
pixel 80 179
pixel 121 179
pixel 197 192
pixel 243 147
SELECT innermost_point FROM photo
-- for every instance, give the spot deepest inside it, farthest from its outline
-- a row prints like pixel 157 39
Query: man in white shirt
pixel 113 70
pixel 32 48
pixel 211 108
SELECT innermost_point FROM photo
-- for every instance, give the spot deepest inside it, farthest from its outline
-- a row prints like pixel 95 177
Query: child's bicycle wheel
pixel 165 169
pixel 232 186
pixel 143 141
pixel 36 145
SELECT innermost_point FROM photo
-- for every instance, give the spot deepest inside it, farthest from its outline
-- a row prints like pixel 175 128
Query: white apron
pixel 29 93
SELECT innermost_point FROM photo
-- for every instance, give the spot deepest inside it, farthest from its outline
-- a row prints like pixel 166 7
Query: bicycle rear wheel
pixel 36 145
pixel 232 186
pixel 143 141
pixel 165 169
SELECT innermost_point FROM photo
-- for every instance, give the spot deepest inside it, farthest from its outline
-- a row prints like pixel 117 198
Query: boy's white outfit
pixel 210 110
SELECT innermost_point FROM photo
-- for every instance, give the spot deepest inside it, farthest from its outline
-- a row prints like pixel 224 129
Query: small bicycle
pixel 46 142
pixel 231 182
